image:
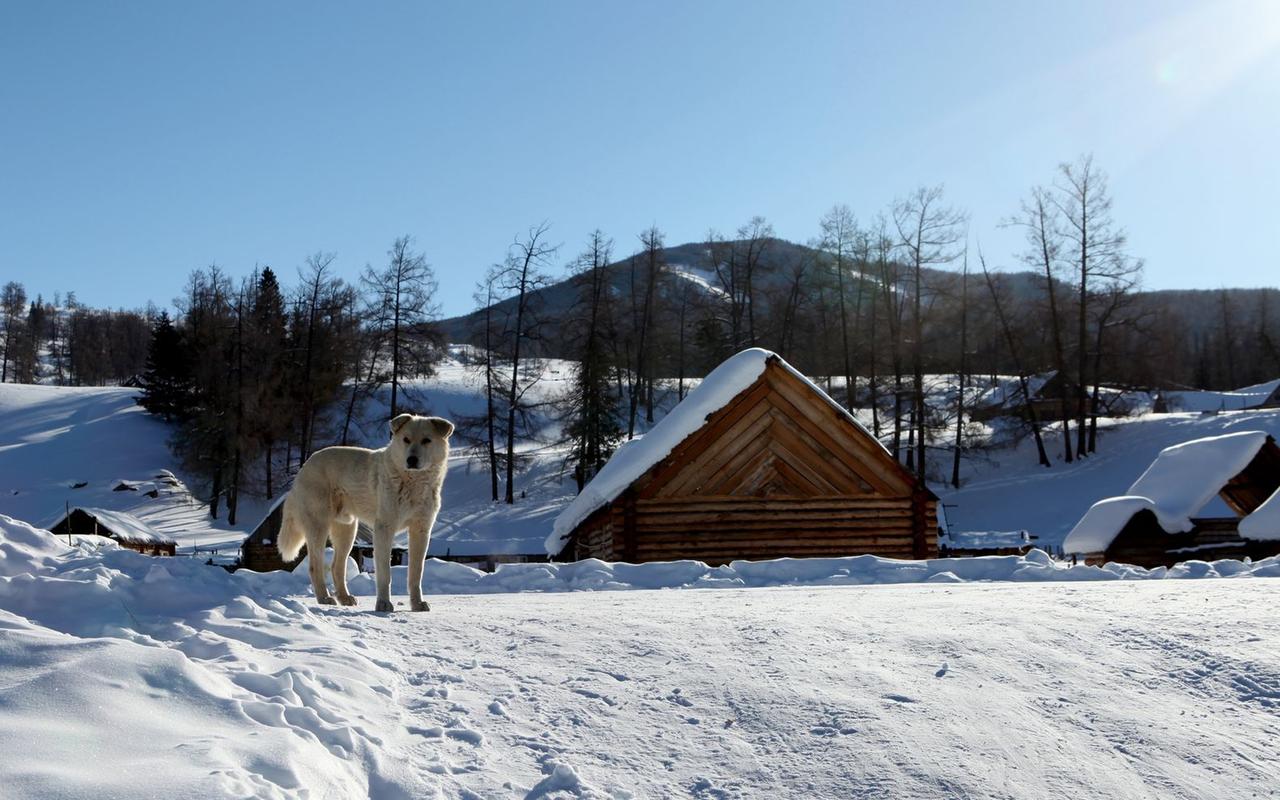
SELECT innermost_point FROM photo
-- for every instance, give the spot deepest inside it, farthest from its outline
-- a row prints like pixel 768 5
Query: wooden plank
pixel 877 469
pixel 733 504
pixel 735 472
pixel 696 444
pixel 800 542
pixel 725 555
pixel 689 477
pixel 834 466
pixel 819 473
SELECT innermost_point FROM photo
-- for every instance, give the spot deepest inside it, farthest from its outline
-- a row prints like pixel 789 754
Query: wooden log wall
pixel 718 530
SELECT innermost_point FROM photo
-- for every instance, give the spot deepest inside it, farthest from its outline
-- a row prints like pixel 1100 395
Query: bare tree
pixel 964 353
pixel 1096 247
pixel 405 289
pixel 522 274
pixel 839 235
pixel 753 241
pixel 927 234
pixel 646 268
pixel 1011 341
pixel 1039 220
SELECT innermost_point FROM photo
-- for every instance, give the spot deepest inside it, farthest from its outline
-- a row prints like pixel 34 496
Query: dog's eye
pixel 427 440
pixel 406 440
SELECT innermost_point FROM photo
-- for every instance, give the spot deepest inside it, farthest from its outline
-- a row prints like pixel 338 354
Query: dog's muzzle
pixel 412 462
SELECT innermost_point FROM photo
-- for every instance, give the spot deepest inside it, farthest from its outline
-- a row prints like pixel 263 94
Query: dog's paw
pixel 384 605
pixel 346 600
pixel 419 605
pixel 326 601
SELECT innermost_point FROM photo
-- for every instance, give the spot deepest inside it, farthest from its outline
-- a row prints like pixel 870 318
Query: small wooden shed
pixel 126 529
pixel 1159 521
pixel 756 463
pixel 259 551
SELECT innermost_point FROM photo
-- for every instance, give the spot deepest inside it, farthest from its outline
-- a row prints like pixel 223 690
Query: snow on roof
pixel 1236 400
pixel 126 527
pixel 1181 481
pixel 635 457
pixel 1264 522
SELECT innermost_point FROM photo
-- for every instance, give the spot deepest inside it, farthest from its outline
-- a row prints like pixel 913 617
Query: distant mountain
pixel 1207 338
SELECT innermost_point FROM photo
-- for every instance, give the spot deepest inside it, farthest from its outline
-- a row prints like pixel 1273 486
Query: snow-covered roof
pixel 125 527
pixel 1236 400
pixel 1264 522
pixel 1181 481
pixel 734 376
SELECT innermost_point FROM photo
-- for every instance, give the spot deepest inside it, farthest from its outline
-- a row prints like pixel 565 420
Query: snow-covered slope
pixel 129 676
pixel 55 437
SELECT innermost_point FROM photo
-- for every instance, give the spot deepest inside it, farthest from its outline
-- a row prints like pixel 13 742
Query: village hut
pixel 1158 521
pixel 756 462
pixel 1246 398
pixel 126 529
pixel 259 551
pixel 1006 399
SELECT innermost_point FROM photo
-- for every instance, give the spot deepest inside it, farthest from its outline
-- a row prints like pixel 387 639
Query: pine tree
pixel 166 383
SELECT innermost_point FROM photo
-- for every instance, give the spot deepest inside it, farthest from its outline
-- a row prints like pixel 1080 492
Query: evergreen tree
pixel 166 383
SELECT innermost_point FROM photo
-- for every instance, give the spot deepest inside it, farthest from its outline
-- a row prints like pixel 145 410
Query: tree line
pixel 878 310
pixel 258 375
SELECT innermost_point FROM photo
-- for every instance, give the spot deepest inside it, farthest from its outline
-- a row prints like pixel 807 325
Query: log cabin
pixel 125 529
pixel 1160 521
pixel 755 463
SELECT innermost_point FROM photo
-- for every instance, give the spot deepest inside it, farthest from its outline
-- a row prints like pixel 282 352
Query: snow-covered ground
pixel 129 676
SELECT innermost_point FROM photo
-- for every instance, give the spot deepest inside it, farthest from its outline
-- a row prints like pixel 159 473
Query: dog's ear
pixel 399 422
pixel 443 426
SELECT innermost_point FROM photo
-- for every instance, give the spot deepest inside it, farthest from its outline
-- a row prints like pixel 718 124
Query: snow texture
pixel 1264 522
pixel 125 527
pixel 128 676
pixel 734 376
pixel 1181 481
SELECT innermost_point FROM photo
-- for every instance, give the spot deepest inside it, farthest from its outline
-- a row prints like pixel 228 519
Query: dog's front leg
pixel 383 535
pixel 419 538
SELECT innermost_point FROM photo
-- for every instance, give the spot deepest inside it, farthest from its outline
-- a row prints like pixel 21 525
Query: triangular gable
pixel 712 408
pixel 779 437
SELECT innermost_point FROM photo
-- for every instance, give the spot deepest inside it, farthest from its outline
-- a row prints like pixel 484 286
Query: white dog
pixel 392 488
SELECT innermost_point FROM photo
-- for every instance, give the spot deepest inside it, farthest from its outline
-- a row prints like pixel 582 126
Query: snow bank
pixel 1264 522
pixel 131 676
pixel 239 685
pixel 1181 481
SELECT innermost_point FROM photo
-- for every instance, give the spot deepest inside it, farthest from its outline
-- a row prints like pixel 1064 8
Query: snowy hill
pixel 53 438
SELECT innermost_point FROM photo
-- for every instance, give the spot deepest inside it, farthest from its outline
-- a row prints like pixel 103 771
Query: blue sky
pixel 139 141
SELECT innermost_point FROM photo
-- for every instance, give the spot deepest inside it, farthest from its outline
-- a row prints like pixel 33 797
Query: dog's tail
pixel 292 537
